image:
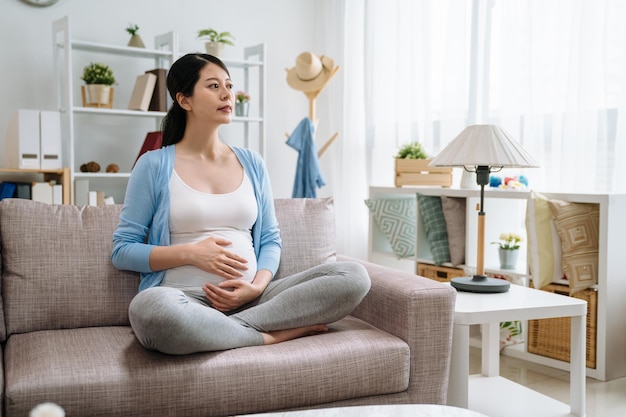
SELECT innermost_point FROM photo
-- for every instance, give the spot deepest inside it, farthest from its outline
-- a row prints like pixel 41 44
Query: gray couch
pixel 66 337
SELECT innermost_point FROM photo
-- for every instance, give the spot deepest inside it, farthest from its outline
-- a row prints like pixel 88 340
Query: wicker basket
pixel 438 273
pixel 551 337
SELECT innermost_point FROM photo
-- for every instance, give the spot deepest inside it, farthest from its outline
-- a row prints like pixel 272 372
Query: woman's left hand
pixel 233 293
pixel 230 294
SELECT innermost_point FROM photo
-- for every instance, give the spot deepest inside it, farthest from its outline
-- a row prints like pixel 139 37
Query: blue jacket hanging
pixel 308 175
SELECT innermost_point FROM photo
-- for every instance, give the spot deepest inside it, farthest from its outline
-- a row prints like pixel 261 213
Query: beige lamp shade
pixel 484 145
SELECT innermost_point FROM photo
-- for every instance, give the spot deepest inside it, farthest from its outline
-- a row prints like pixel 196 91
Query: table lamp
pixel 483 149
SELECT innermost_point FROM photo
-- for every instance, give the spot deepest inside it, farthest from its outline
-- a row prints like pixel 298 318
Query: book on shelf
pixel 22 190
pixel 42 191
pixel 81 192
pixel 152 141
pixel 158 102
pixel 57 194
pixel 142 92
pixel 7 190
pixel 98 198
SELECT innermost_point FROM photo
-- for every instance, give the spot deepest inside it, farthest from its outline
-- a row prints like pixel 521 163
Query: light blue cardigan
pixel 144 220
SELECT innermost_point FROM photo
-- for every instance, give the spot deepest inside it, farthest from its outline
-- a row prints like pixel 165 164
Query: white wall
pixel 287 27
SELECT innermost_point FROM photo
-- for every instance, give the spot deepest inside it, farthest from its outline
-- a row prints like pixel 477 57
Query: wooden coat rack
pixel 312 96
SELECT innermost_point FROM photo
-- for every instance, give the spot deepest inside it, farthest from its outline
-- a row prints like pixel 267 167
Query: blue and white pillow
pixel 396 218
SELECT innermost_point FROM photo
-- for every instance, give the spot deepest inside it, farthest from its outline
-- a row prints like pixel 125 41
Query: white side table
pixel 490 394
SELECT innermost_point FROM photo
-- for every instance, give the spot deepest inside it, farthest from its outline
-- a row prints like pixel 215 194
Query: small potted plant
pixel 135 39
pixel 412 168
pixel 508 249
pixel 242 103
pixel 215 40
pixel 99 79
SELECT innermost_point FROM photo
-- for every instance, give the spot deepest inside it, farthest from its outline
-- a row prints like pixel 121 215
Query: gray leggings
pixel 167 320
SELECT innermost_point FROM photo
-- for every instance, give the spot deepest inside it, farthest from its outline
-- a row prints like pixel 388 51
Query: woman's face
pixel 213 96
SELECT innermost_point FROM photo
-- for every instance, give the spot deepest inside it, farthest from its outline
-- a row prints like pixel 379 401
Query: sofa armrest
pixel 420 311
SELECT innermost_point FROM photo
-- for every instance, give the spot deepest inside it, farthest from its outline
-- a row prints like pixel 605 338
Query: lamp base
pixel 480 284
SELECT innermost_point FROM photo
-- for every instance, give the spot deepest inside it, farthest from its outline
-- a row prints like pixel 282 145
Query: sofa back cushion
pixel 57 267
pixel 58 272
pixel 307 229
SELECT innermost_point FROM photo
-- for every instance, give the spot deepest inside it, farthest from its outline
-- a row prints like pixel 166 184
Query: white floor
pixel 604 399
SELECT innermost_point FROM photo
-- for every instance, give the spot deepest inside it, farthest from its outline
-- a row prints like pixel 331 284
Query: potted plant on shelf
pixel 215 40
pixel 100 80
pixel 242 104
pixel 508 249
pixel 412 168
pixel 135 39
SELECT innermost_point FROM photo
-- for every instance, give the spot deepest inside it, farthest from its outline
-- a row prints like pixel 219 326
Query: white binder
pixel 50 139
pixel 21 148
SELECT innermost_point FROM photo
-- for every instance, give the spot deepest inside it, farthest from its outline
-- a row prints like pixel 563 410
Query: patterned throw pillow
pixel 544 243
pixel 434 222
pixel 395 217
pixel 578 225
pixel 454 215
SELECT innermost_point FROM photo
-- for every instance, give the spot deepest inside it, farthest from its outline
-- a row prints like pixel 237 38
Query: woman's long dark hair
pixel 181 78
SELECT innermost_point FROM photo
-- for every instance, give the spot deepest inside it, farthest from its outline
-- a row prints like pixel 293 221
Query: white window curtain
pixel 557 83
pixel 550 72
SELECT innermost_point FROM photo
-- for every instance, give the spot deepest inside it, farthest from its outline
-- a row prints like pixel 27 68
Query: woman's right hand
pixel 211 255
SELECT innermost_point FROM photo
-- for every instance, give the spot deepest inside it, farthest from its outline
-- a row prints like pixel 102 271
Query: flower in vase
pixel 509 241
pixel 242 97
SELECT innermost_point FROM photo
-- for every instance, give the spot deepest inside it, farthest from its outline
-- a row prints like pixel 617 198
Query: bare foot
pixel 278 336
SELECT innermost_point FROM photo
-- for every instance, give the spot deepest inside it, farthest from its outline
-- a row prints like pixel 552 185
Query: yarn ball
pixel 495 181
pixel 523 180
pixel 91 166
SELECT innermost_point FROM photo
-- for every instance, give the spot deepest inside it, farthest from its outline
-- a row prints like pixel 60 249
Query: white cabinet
pixel 505 211
pixel 125 130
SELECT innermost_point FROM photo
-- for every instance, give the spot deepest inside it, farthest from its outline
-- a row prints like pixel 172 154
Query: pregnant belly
pixel 189 277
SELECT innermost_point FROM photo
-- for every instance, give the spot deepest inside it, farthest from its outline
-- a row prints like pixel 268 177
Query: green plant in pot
pixel 135 39
pixel 99 79
pixel 412 150
pixel 215 40
pixel 412 168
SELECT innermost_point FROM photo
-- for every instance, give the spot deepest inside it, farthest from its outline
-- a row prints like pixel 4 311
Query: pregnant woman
pixel 198 224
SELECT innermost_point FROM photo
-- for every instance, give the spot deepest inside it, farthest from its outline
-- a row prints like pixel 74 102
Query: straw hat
pixel 311 72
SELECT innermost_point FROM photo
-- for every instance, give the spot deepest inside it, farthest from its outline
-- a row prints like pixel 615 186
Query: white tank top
pixel 196 215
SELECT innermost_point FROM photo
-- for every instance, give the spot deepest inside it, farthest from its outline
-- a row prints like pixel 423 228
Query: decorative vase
pixel 241 109
pixel 136 41
pixel 508 258
pixel 98 94
pixel 214 48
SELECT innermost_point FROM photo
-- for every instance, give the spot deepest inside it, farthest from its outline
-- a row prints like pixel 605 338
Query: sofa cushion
pixel 307 229
pixel 105 372
pixel 57 268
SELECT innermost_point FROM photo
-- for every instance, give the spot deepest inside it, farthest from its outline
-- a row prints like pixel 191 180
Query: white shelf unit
pixel 505 211
pixel 164 54
pixel 251 69
pixel 65 54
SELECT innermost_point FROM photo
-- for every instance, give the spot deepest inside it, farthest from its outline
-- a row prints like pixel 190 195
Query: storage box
pixel 438 273
pixel 551 337
pixel 417 172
